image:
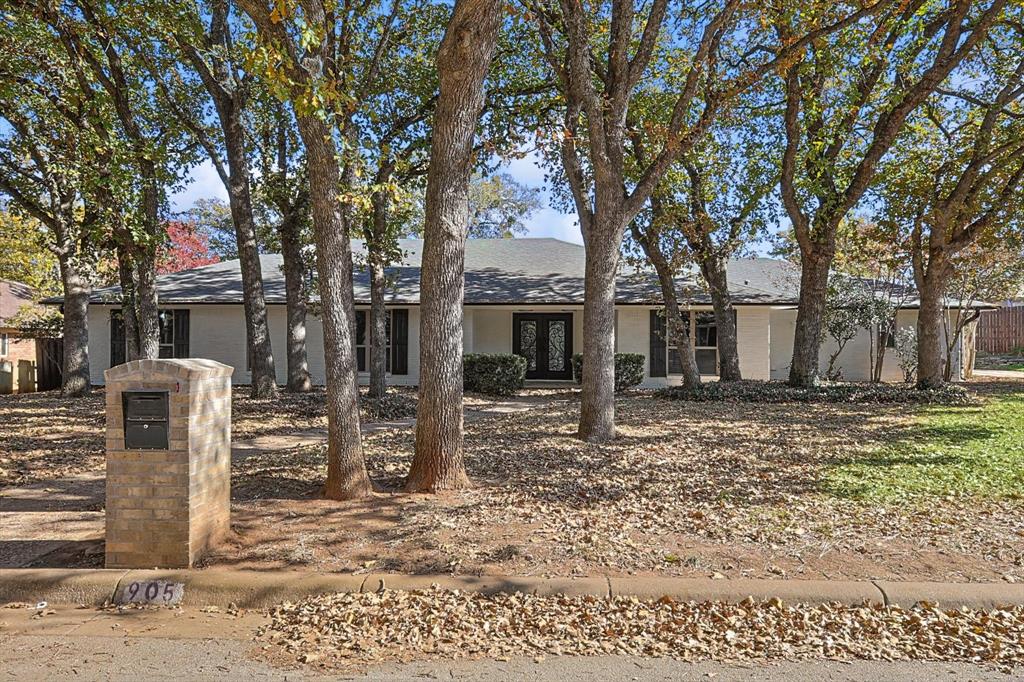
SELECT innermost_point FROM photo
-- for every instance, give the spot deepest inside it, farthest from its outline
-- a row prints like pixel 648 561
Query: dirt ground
pixel 708 489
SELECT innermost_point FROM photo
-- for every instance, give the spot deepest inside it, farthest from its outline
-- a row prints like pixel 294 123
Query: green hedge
pixel 498 374
pixel 749 391
pixel 629 370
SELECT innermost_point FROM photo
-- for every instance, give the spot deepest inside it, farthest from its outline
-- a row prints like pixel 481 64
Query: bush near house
pixel 750 391
pixel 629 370
pixel 498 374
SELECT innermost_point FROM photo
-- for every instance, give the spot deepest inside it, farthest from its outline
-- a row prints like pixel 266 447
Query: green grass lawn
pixel 1018 367
pixel 949 451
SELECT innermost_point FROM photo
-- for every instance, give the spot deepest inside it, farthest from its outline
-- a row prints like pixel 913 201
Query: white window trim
pixel 669 347
pixel 366 342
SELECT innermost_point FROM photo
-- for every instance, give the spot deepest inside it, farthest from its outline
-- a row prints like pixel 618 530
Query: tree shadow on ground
pixel 48 436
pixel 58 495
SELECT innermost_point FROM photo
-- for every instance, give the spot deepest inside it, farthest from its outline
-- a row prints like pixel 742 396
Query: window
pixel 704 337
pixel 173 335
pixel 174 330
pixel 705 342
pixel 5 344
pixel 363 340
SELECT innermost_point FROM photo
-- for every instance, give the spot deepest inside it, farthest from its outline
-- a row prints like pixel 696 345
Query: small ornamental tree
pixel 906 351
pixel 186 248
pixel 848 310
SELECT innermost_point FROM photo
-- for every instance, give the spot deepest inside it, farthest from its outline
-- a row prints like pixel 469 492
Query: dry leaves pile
pixel 401 626
pixel 716 474
pixel 290 412
pixel 44 436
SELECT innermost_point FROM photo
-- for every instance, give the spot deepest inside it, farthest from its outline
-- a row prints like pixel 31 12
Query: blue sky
pixel 545 223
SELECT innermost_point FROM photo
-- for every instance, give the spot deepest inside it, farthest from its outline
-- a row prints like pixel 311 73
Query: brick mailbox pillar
pixel 168 461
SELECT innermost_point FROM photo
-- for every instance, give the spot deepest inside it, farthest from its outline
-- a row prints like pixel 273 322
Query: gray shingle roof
pixel 498 271
pixel 13 295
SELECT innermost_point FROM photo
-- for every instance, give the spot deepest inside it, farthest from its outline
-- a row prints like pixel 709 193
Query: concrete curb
pixel 260 589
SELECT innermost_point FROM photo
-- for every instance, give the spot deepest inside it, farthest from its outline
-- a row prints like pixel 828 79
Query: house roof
pixel 498 271
pixel 13 295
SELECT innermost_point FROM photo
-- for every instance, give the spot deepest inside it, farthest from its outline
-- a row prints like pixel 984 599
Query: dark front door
pixel 545 340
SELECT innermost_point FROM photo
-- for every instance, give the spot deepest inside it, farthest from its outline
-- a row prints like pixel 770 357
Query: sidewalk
pixel 260 590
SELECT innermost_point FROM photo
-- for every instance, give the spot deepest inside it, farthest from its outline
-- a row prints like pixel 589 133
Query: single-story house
pixel 522 296
pixel 17 351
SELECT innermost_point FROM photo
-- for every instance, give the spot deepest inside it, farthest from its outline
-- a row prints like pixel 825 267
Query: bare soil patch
pixel 44 436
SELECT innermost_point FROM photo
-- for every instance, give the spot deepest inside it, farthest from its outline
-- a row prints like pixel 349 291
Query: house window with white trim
pixel 703 338
pixel 705 342
pixel 363 340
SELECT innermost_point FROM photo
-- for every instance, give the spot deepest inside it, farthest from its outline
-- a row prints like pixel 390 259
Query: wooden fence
pixel 1001 331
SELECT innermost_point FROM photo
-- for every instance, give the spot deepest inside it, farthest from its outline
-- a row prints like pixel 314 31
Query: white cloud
pixel 203 183
pixel 526 170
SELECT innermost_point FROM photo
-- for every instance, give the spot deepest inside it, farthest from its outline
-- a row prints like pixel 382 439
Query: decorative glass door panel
pixel 545 340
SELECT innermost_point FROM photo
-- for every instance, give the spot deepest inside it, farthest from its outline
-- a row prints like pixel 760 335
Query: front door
pixel 545 340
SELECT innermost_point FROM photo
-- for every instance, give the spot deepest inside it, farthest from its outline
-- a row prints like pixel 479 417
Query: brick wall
pixel 19 350
pixel 165 508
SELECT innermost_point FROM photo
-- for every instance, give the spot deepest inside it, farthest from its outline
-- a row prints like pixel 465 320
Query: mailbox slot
pixel 145 419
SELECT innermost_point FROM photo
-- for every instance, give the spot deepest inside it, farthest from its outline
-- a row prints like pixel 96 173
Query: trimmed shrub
pixel 498 374
pixel 629 369
pixel 749 391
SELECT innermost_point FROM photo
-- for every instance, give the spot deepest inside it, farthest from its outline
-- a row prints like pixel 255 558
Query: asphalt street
pixel 87 644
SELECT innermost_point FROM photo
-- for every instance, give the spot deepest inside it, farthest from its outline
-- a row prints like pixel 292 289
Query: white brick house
pixel 522 295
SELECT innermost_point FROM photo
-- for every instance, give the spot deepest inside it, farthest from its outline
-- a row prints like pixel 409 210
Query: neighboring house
pixel 17 353
pixel 522 296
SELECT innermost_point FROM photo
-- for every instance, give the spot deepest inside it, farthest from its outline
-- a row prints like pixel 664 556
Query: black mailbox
pixel 145 420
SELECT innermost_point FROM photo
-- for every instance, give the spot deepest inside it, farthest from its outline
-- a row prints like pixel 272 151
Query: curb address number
pixel 160 592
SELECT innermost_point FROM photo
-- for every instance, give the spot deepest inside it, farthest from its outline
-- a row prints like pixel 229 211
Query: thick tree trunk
pixel 462 63
pixel 257 333
pixel 930 341
pixel 809 318
pixel 716 274
pixel 144 262
pixel 146 305
pixel 75 372
pixel 129 307
pixel 295 305
pixel 597 404
pixel 346 469
pixel 378 314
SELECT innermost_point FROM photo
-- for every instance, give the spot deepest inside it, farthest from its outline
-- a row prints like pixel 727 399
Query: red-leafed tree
pixel 186 248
